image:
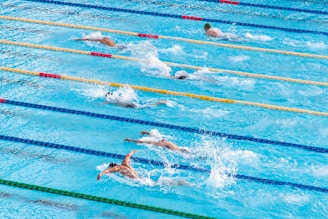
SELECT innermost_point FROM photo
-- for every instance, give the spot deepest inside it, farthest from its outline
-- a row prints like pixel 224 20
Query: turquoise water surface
pixel 256 162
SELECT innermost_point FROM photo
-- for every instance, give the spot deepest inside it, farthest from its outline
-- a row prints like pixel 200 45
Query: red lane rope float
pixel 152 36
pixel 49 75
pixel 229 2
pixel 191 18
pixel 106 55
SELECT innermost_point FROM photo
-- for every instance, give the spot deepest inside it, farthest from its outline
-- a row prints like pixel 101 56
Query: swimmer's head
pixel 112 165
pixel 182 77
pixel 207 26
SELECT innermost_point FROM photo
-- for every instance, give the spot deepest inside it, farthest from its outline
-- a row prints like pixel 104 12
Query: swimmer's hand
pixel 98 177
pixel 120 46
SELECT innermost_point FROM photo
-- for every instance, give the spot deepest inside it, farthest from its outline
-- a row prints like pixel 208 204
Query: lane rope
pixel 114 84
pixel 174 93
pixel 158 163
pixel 268 6
pixel 154 36
pixel 188 17
pixel 165 125
pixel 101 199
pixel 226 71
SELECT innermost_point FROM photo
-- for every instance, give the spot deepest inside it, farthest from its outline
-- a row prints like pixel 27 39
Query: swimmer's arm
pixel 128 157
pixel 87 39
pixel 138 141
pixel 82 39
pixel 110 170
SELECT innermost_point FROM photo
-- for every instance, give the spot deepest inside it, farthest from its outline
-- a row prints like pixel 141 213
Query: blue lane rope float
pixel 169 126
pixel 267 6
pixel 102 199
pixel 178 16
pixel 161 164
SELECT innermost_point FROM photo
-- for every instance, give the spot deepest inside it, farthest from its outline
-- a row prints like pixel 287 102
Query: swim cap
pixel 207 26
pixel 112 165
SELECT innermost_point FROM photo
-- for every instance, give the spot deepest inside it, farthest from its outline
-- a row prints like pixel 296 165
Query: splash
pixel 142 49
pixel 220 176
pixel 155 67
pixel 94 92
pixel 212 153
pixel 150 63
pixel 175 50
pixel 93 36
pixel 154 136
pixel 123 95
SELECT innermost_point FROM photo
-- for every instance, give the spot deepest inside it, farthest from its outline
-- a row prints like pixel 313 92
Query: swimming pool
pixel 259 152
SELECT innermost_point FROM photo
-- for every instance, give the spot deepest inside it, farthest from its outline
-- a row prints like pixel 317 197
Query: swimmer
pixel 111 98
pixel 212 32
pixel 215 32
pixel 180 75
pixel 104 40
pixel 161 142
pixel 124 168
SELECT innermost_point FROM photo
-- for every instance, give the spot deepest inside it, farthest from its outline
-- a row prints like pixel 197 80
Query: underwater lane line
pixel 164 125
pixel 158 163
pixel 168 92
pixel 154 36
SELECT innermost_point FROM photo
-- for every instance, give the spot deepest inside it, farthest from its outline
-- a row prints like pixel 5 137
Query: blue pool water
pixel 261 170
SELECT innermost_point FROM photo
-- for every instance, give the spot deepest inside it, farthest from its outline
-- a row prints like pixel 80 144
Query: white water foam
pixel 319 171
pixel 255 37
pixel 239 58
pixel 309 44
pixel 174 50
pixel 245 83
pixel 94 92
pixel 154 136
pixel 316 45
pixel 155 67
pixel 310 91
pixel 223 160
pixel 295 199
pixel 93 36
pixel 123 95
pixel 209 112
